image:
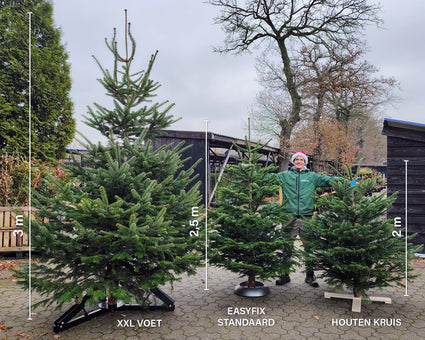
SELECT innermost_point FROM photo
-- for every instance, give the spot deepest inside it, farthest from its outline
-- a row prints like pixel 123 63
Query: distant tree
pixel 336 141
pixel 272 108
pixel 52 124
pixel 285 24
pixel 373 143
pixel 344 90
pixel 339 89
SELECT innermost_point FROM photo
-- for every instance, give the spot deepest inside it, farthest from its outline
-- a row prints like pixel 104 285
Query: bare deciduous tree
pixel 344 87
pixel 282 23
pixel 338 86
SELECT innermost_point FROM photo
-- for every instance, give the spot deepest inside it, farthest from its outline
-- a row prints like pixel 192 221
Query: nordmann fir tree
pixel 352 243
pixel 121 228
pixel 252 234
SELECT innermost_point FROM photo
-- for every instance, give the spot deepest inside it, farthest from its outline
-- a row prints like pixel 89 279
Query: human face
pixel 299 163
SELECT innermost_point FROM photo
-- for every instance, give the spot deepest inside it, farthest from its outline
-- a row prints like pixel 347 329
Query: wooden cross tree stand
pixel 357 301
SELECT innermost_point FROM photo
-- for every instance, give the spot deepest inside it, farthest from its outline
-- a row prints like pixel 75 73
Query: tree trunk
pixel 112 301
pixel 251 281
pixel 291 85
pixel 283 165
pixel 357 293
pixel 317 152
pixel 288 125
pixel 284 144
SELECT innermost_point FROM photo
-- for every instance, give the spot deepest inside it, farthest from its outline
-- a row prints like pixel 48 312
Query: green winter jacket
pixel 299 187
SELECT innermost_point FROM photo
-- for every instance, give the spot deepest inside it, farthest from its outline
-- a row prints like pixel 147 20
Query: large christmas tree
pixel 252 234
pixel 121 227
pixel 352 243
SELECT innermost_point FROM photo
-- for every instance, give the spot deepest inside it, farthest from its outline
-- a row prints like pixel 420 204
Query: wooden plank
pixel 6 219
pixel 396 142
pixel 13 239
pixel 25 239
pixel 356 306
pixel 12 249
pixel 419 239
pixel 401 133
pixel 6 239
pixel 13 218
pixel 15 208
pixel 357 301
pixel 394 174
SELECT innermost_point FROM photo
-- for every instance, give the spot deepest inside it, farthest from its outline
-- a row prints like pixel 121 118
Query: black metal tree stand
pixel 67 319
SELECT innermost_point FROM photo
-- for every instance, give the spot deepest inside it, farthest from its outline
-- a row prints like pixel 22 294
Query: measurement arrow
pixel 29 163
pixel 405 220
pixel 206 204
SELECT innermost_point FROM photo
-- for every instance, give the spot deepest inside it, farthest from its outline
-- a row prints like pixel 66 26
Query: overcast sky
pixel 208 86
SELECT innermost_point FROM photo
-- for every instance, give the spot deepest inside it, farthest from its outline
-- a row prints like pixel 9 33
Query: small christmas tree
pixel 351 242
pixel 120 229
pixel 252 235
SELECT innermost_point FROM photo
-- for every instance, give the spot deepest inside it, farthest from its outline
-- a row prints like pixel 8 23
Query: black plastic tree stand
pixel 67 319
pixel 260 290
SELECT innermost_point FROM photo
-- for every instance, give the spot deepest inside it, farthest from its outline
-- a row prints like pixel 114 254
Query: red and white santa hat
pixel 299 153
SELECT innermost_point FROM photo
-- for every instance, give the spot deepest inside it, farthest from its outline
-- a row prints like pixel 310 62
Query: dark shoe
pixel 311 280
pixel 283 280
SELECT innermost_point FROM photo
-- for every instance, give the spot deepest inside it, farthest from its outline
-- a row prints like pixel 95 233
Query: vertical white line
pixel 29 166
pixel 206 204
pixel 405 222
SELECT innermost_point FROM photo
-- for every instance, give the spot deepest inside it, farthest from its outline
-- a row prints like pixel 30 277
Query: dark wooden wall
pixel 399 150
pixel 198 151
pixel 194 153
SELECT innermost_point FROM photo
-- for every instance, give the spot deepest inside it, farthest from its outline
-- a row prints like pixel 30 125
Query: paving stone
pixel 297 310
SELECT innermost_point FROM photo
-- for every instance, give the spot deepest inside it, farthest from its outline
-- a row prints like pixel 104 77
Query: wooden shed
pixel 219 150
pixel 406 174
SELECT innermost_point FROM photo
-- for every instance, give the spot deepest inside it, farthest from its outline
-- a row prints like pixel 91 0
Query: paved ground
pixel 294 311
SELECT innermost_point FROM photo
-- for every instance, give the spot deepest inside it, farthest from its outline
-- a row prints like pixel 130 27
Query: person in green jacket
pixel 298 187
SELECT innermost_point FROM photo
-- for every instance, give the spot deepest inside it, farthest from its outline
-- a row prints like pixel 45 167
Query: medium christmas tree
pixel 120 229
pixel 352 244
pixel 252 234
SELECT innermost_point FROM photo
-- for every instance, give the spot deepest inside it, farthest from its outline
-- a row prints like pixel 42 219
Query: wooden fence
pixel 12 237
